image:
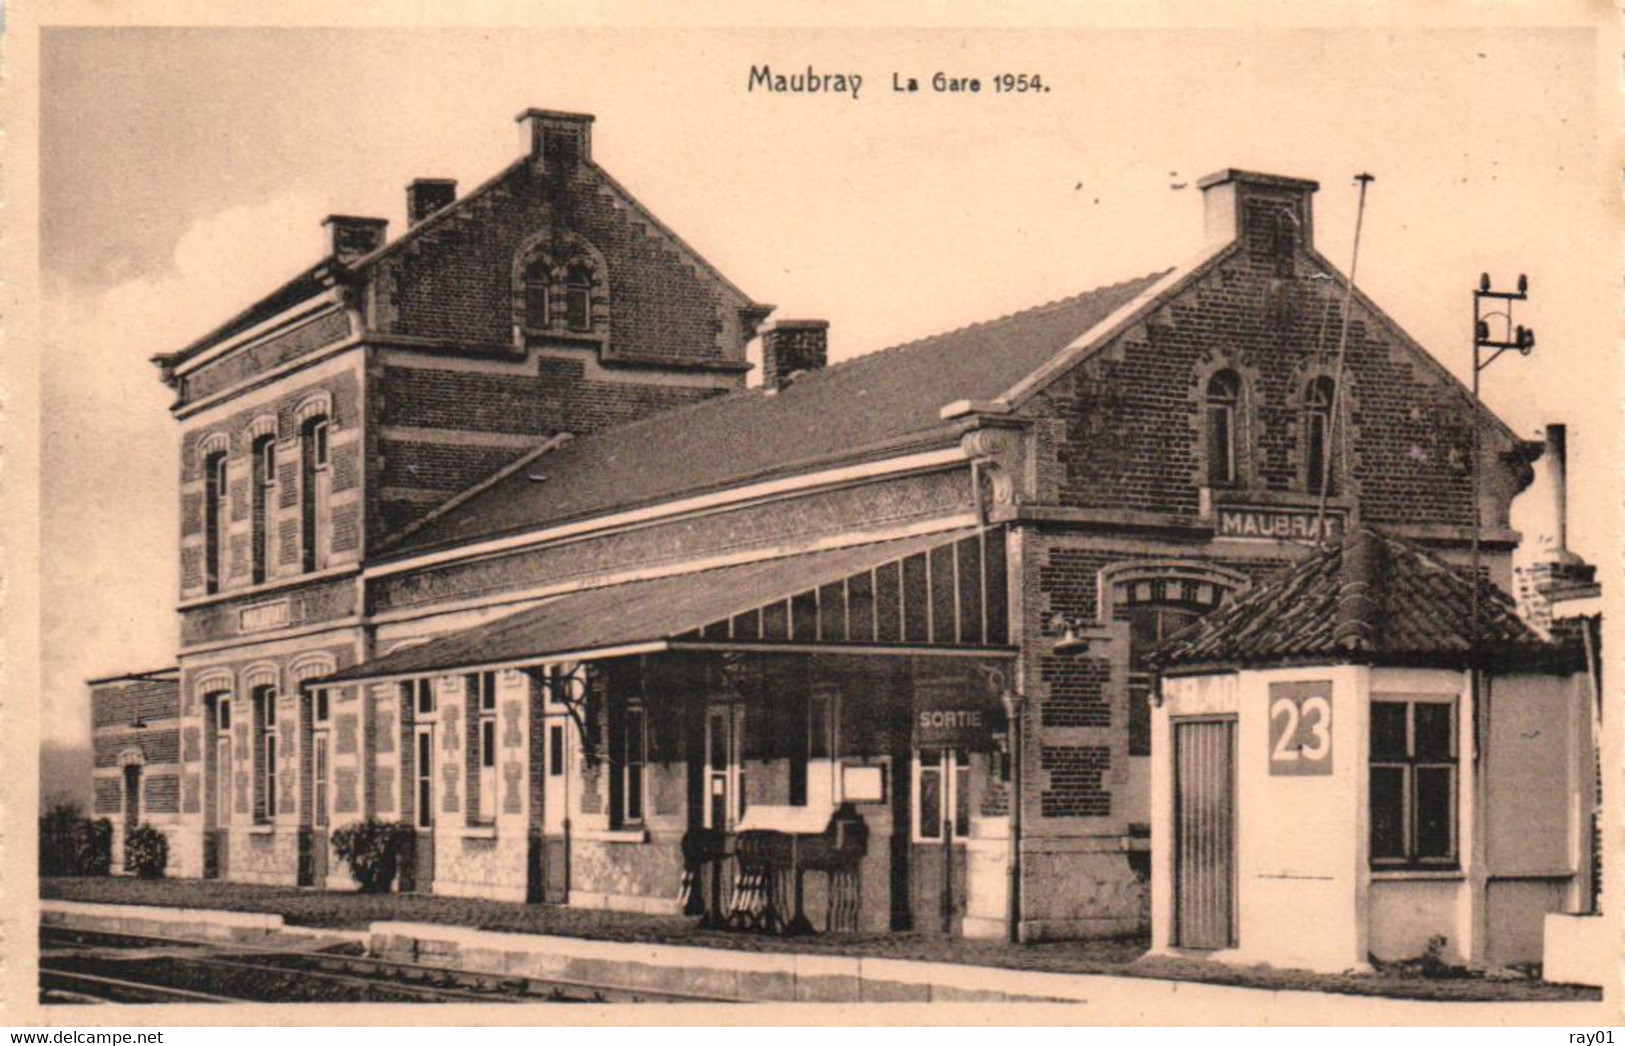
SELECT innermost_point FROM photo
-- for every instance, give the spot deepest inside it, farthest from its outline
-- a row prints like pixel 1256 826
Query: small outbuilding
pixel 1342 775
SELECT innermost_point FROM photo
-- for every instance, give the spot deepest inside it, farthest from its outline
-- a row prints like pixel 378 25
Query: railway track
pixel 126 967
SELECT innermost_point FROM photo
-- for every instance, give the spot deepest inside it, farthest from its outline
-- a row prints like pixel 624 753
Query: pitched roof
pixel 865 402
pixel 667 609
pixel 1374 599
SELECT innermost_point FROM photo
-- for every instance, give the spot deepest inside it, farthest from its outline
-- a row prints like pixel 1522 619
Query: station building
pixel 483 533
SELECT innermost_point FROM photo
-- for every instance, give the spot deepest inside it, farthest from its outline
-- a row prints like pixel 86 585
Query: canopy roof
pixel 833 599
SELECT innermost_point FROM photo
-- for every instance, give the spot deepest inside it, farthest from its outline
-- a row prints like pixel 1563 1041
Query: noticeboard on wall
pixel 1300 728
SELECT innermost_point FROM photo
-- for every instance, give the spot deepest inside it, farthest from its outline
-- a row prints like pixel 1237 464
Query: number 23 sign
pixel 1300 728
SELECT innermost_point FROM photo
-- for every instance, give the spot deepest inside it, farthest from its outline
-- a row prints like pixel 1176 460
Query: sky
pixel 184 172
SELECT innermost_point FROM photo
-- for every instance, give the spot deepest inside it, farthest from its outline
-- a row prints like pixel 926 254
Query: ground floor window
pixel 1413 782
pixel 942 792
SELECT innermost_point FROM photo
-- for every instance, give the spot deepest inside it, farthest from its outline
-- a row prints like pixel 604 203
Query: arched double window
pixel 1223 410
pixel 561 287
pixel 1320 475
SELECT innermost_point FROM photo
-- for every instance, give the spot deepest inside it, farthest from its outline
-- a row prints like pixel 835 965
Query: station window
pixel 319 706
pixel 417 695
pixel 1223 406
pixel 1317 433
pixel 1413 783
pixel 216 513
pixel 942 791
pixel 318 774
pixel 264 700
pixel 578 298
pixel 633 751
pixel 483 695
pixel 264 498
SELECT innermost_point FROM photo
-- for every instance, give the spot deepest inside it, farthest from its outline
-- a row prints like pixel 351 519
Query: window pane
pixel 488 742
pixel 555 751
pixel 930 800
pixel 1219 466
pixel 1139 715
pixel 634 793
pixel 818 728
pixel 1434 838
pixel 634 736
pixel 1388 730
pixel 1433 730
pixel 579 305
pixel 536 305
pixel 1387 812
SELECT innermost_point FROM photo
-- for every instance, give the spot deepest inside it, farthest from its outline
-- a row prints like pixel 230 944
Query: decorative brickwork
pixel 1074 788
pixel 244 364
pixel 344 791
pixel 161 794
pixel 191 793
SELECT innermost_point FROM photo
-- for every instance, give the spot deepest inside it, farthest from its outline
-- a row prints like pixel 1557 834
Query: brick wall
pixel 308 604
pixel 118 703
pixel 1074 786
pixel 156 746
pixel 1106 439
pixel 457 279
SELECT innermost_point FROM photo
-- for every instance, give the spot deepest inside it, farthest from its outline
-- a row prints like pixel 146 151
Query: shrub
pixel 146 852
pixel 72 844
pixel 95 851
pixel 374 850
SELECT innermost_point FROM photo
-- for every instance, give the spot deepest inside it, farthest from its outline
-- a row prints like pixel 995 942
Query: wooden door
pixel 1204 833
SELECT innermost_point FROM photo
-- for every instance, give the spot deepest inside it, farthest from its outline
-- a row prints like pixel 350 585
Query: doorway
pixel 1204 833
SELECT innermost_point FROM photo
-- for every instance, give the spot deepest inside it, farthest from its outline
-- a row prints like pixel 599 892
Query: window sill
pixel 612 835
pixel 261 829
pixel 1390 875
pixel 479 831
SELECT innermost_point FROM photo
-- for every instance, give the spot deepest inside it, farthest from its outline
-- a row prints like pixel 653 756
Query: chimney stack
pixel 427 195
pixel 790 348
pixel 1557 474
pixel 1269 213
pixel 350 238
pixel 559 141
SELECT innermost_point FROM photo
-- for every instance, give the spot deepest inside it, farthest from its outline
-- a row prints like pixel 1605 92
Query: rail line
pixel 355 974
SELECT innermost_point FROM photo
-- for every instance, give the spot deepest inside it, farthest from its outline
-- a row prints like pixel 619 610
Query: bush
pixel 95 851
pixel 374 850
pixel 72 844
pixel 146 852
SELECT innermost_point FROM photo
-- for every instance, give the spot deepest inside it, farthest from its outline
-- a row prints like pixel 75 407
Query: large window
pixel 1223 406
pixel 265 752
pixel 264 496
pixel 1317 434
pixel 631 750
pixel 483 696
pixel 942 788
pixel 578 298
pixel 316 488
pixel 560 286
pixel 1413 782
pixel 216 514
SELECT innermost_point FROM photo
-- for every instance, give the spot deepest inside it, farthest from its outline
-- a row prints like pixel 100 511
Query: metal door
pixel 1204 833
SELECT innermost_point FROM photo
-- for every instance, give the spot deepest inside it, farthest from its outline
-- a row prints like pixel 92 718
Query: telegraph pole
pixel 1493 338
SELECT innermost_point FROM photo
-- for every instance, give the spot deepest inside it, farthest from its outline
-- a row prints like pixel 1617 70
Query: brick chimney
pixel 792 347
pixel 1270 213
pixel 427 195
pixel 349 238
pixel 558 140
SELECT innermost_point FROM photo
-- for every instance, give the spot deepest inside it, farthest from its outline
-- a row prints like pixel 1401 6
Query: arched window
pixel 536 279
pixel 1223 404
pixel 316 485
pixel 578 298
pixel 1317 429
pixel 560 285
pixel 264 497
pixel 216 513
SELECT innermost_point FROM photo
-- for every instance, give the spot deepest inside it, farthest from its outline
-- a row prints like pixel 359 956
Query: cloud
pixel 109 466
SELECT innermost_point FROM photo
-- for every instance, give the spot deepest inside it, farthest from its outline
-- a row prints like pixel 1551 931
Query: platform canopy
pixel 942 593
